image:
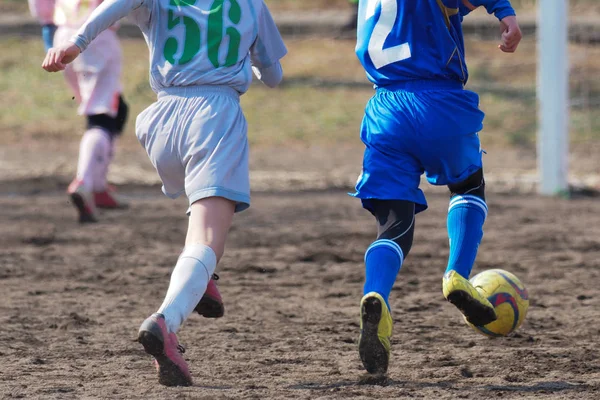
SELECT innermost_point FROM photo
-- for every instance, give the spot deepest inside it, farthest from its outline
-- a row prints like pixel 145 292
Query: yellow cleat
pixel 375 332
pixel 473 304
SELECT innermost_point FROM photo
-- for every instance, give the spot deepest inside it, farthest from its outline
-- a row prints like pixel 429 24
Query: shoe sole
pixel 210 308
pixel 476 313
pixel 373 354
pixel 169 373
pixel 84 216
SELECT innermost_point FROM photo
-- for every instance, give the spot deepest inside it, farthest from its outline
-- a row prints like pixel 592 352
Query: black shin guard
pixel 396 221
pixel 103 121
pixel 113 125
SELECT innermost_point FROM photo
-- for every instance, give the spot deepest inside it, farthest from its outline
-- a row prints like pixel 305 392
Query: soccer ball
pixel 508 296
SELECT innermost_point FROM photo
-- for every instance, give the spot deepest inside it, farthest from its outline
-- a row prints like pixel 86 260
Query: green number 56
pixel 193 38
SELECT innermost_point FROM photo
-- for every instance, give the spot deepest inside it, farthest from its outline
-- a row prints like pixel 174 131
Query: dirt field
pixel 73 298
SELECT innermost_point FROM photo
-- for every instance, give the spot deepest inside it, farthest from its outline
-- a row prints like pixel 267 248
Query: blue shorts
pixel 414 128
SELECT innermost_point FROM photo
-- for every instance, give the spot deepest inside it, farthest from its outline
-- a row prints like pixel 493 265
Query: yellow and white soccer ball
pixel 509 297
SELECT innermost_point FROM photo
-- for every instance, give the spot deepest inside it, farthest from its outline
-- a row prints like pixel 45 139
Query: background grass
pixel 321 101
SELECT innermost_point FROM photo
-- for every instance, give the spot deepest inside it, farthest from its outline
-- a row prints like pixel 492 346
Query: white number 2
pixel 387 18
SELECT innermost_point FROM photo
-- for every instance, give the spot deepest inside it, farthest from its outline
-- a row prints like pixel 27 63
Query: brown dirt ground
pixel 73 298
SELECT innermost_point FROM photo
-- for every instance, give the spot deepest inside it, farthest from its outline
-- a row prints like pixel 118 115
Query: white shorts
pixel 95 76
pixel 196 138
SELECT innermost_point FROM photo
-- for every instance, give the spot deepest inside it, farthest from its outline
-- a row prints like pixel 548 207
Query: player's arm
pixel 503 10
pixel 102 18
pixel 43 11
pixel 271 75
pixel 500 8
pixel 267 50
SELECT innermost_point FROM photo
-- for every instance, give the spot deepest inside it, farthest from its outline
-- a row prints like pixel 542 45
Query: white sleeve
pixel 268 48
pixel 271 75
pixel 102 18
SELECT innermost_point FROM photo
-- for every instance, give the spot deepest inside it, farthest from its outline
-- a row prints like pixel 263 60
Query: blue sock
pixel 466 216
pixel 383 260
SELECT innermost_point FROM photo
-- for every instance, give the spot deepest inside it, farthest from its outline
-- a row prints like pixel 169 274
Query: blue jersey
pixel 405 40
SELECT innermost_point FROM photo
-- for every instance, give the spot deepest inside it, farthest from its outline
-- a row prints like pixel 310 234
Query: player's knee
pixel 473 185
pixel 396 222
pixel 122 114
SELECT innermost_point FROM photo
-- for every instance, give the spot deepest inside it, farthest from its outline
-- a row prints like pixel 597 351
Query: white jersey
pixel 196 42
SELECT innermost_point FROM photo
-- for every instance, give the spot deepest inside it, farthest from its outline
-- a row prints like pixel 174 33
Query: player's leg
pixel 93 153
pixel 211 303
pixel 451 154
pixel 389 189
pixel 384 257
pixel 154 333
pixel 105 195
pixel 209 223
pixel 466 215
pixel 234 184
pixel 456 161
pixel 383 260
pixel 207 160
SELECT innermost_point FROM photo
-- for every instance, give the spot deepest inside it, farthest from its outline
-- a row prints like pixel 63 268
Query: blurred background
pixel 306 131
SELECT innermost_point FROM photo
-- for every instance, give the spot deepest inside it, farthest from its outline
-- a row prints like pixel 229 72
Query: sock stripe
pixel 386 243
pixel 483 209
pixel 469 199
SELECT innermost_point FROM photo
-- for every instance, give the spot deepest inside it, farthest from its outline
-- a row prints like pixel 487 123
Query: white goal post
pixel 553 96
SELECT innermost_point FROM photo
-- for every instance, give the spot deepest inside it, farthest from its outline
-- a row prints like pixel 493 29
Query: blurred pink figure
pixel 95 79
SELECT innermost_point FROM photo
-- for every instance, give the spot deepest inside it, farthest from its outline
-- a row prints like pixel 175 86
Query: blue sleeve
pixel 500 8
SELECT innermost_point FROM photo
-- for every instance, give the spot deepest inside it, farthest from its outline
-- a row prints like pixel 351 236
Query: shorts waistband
pixel 420 85
pixel 198 91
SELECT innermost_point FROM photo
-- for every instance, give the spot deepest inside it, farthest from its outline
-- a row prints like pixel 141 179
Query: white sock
pixel 101 173
pixel 189 279
pixel 94 152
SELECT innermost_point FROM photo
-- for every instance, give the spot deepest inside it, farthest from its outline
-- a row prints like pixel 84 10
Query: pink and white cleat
pixel 211 304
pixel 109 199
pixel 164 347
pixel 83 200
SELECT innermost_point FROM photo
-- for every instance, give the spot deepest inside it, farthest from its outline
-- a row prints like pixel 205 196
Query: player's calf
pixel 384 257
pixel 467 212
pixel 105 196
